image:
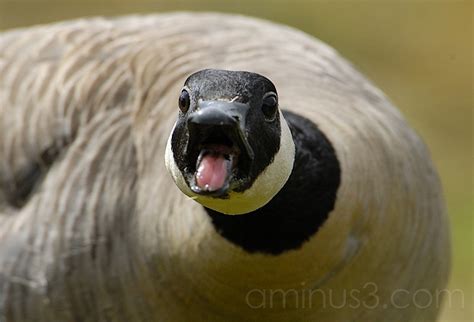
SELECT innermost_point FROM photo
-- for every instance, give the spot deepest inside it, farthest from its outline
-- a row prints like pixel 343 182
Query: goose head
pixel 230 149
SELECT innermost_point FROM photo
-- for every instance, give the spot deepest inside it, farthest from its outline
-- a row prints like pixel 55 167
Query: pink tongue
pixel 212 172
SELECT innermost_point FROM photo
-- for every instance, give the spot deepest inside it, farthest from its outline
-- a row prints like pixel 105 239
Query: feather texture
pixel 97 231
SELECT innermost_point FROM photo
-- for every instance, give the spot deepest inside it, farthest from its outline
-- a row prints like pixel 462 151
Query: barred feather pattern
pixel 92 227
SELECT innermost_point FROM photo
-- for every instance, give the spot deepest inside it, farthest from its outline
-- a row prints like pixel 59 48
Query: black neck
pixel 300 207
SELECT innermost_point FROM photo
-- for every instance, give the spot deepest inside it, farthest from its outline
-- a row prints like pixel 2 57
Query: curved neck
pixel 300 207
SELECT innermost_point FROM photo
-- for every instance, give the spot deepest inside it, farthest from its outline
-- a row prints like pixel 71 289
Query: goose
pixel 208 167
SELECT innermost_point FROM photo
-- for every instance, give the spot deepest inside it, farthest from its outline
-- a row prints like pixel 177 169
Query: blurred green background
pixel 419 52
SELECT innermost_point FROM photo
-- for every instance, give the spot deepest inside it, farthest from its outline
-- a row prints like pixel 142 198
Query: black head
pixel 227 133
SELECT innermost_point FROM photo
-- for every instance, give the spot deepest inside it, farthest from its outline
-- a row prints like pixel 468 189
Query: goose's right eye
pixel 270 106
pixel 184 101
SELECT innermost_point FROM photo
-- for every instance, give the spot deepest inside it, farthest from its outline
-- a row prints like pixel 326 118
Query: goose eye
pixel 184 101
pixel 270 106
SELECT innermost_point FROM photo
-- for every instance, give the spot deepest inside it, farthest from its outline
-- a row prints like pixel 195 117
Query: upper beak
pixel 223 114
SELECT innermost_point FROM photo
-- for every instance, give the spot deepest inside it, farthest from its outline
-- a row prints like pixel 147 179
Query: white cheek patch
pixel 264 188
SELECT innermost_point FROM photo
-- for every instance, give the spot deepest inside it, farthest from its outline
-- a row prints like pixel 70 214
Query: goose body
pixel 349 224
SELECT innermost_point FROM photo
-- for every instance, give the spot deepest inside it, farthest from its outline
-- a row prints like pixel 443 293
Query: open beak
pixel 218 150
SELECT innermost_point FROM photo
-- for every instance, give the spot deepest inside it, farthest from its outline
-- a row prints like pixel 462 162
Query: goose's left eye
pixel 270 106
pixel 184 101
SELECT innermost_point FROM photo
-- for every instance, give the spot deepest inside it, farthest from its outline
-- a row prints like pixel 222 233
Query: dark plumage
pixel 93 227
pixel 300 208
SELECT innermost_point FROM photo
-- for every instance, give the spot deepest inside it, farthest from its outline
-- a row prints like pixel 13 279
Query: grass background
pixel 419 52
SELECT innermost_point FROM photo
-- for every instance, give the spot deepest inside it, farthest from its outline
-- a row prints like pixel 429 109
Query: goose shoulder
pixel 86 205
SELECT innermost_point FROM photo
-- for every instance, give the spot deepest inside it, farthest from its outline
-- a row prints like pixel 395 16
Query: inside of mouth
pixel 213 168
pixel 216 159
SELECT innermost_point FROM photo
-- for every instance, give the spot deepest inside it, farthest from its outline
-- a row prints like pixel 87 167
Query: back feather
pixel 92 228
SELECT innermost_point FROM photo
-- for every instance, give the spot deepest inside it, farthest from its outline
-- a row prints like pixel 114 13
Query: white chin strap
pixel 264 188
